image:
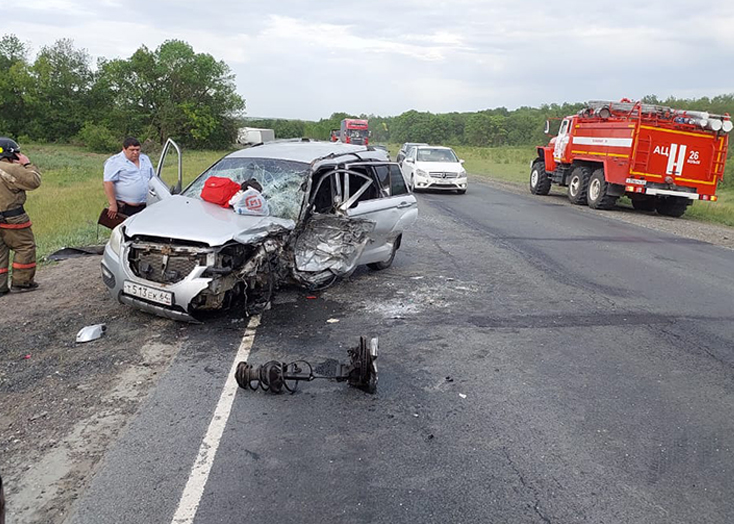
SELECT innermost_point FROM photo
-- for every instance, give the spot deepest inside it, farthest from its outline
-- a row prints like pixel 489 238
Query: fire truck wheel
pixel 579 185
pixel 597 196
pixel 540 182
pixel 644 203
pixel 672 206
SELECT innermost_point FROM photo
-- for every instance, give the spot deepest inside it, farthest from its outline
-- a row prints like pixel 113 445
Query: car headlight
pixel 115 241
pixel 462 173
pixel 420 172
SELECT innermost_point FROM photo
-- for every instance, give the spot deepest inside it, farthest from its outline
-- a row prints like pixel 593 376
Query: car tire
pixel 597 194
pixel 379 266
pixel 461 191
pixel 579 185
pixel 540 182
pixel 672 206
pixel 644 203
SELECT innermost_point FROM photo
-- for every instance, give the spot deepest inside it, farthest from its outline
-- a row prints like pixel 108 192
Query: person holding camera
pixel 17 175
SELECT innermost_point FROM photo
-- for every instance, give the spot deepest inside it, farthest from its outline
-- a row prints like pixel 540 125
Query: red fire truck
pixel 661 158
pixel 354 131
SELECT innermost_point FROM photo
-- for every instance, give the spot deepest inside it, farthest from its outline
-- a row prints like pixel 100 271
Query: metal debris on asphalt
pixel 274 376
pixel 89 333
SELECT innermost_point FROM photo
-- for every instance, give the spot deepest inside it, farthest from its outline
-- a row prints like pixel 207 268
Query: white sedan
pixel 434 167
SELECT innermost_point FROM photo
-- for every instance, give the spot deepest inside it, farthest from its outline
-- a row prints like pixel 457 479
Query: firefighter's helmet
pixel 9 148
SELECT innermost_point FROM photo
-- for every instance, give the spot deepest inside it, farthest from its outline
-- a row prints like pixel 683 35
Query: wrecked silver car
pixel 331 207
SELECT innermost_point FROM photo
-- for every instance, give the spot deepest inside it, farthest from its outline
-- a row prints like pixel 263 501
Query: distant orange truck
pixel 661 158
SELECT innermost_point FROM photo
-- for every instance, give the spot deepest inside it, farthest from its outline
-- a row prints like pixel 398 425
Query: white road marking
pixel 194 490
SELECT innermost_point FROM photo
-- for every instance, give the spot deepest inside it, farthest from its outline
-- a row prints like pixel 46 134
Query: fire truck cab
pixel 661 158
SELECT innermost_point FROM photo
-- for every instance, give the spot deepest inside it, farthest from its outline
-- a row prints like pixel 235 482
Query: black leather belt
pixel 13 212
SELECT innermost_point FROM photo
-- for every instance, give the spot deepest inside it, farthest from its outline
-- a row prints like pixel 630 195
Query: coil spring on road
pixel 273 376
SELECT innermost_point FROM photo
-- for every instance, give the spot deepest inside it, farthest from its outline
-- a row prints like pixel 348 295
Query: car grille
pixel 165 269
pixel 441 174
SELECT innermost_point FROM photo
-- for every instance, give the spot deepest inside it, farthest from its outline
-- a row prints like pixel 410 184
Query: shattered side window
pixel 280 179
pixel 383 176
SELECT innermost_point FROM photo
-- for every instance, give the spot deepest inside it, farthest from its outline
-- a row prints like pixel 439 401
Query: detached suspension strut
pixel 274 376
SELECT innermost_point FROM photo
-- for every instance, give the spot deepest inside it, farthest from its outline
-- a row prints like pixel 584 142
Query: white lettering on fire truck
pixel 676 157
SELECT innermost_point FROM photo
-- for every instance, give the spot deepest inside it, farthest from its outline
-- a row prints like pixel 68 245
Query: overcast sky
pixel 298 59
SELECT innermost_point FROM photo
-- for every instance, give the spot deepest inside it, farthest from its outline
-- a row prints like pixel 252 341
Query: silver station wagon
pixel 331 207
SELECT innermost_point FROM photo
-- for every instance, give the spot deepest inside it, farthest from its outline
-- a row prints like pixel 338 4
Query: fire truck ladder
pixel 641 154
pixel 719 160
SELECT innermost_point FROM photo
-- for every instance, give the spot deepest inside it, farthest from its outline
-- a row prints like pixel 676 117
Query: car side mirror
pixel 547 127
pixel 409 160
pixel 461 161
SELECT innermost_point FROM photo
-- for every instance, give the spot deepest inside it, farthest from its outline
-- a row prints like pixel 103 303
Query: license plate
pixel 148 293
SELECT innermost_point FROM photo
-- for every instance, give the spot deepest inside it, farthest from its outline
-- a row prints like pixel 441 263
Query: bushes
pixel 98 138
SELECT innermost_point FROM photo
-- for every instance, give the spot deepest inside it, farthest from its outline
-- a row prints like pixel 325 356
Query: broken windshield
pixel 280 179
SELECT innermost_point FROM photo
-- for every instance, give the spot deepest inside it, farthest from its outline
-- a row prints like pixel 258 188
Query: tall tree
pixel 173 92
pixel 14 83
pixel 58 98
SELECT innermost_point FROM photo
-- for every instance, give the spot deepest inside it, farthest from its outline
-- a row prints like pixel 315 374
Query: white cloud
pixel 307 60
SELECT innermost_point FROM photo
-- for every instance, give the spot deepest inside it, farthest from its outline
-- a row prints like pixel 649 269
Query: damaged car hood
pixel 194 220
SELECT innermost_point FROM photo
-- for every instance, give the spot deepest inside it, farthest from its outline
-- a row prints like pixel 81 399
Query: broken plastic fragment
pixel 462 395
pixel 26 357
pixel 332 321
pixel 89 333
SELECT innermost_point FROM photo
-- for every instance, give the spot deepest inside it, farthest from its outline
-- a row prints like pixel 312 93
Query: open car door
pixel 352 218
pixel 157 188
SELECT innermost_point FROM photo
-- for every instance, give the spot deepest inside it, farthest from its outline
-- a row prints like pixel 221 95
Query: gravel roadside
pixel 684 227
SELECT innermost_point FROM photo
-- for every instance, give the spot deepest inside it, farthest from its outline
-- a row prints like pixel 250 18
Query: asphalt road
pixel 539 363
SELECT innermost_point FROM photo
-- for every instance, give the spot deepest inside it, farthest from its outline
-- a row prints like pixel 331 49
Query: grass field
pixel 64 210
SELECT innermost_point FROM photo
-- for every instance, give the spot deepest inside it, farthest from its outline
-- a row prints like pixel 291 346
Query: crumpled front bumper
pixel 115 272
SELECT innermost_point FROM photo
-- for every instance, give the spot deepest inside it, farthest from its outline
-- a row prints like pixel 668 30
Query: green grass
pixel 512 164
pixel 64 210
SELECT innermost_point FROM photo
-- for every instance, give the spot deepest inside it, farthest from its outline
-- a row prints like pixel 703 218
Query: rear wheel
pixel 644 203
pixel 579 185
pixel 540 182
pixel 379 266
pixel 672 206
pixel 597 195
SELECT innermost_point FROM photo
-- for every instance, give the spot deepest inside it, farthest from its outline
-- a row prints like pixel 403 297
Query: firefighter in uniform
pixel 17 175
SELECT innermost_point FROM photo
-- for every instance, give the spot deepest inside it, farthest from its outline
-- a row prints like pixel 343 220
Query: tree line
pixel 169 92
pixel 486 128
pixel 174 92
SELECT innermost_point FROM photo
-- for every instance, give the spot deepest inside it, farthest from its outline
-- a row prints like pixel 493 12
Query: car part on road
pixel 75 252
pixel 89 333
pixel 274 376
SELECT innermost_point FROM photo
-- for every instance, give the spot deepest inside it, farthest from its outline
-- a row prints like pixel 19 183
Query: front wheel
pixel 597 195
pixel 460 191
pixel 540 182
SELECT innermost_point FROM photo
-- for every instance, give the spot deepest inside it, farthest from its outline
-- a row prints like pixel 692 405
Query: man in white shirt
pixel 126 177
